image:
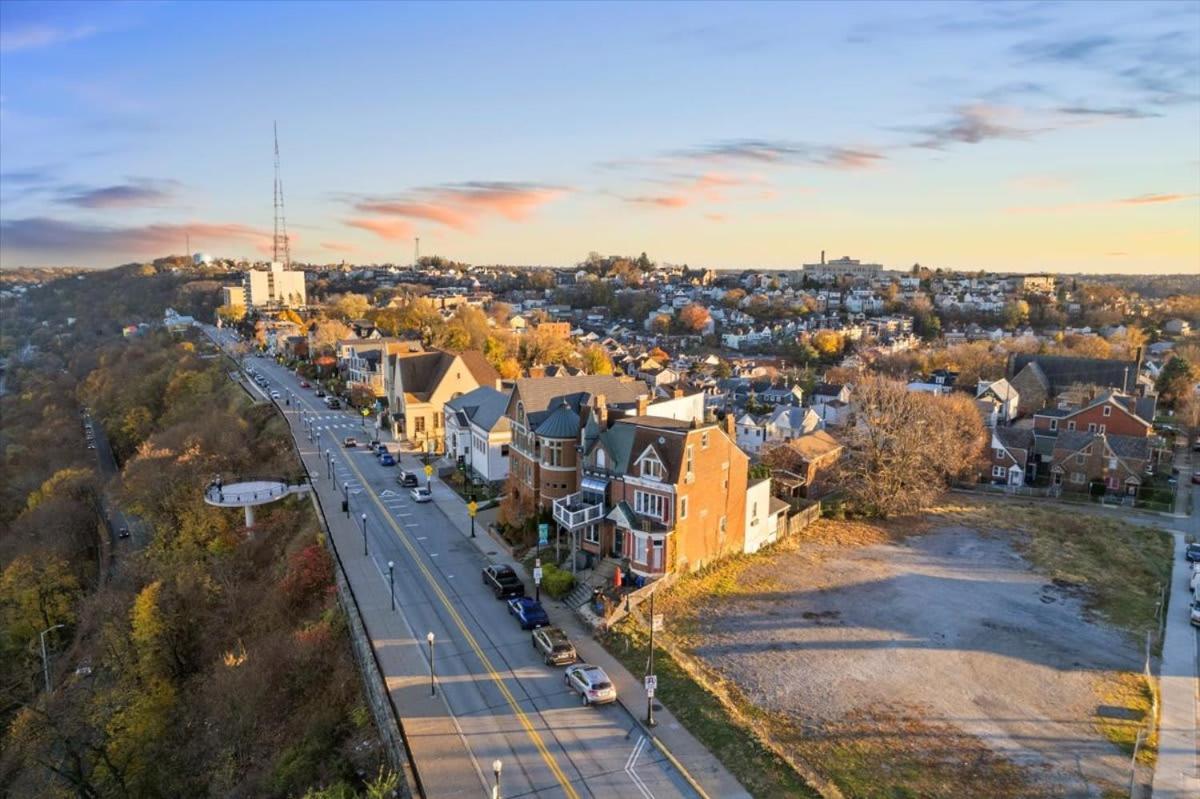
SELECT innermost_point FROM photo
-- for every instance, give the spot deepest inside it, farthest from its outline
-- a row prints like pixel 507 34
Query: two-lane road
pixel 505 703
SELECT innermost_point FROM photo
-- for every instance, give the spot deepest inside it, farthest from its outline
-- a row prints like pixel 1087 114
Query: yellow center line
pixel 496 677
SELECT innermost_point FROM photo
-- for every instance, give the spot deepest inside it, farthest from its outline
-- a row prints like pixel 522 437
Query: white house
pixel 1003 394
pixel 477 431
pixel 750 434
pixel 788 422
pixel 764 513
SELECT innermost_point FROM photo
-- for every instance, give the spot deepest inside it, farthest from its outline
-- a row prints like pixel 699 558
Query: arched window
pixel 600 458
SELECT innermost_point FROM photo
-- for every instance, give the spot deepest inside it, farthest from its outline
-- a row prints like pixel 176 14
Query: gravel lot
pixel 949 629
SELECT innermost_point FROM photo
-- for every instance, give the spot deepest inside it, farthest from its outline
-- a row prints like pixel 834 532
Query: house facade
pixel 419 386
pixel 478 434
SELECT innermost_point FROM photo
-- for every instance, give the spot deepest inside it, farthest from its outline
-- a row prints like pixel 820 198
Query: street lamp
pixel 46 660
pixel 346 499
pixel 364 524
pixel 432 685
pixel 392 582
pixel 496 767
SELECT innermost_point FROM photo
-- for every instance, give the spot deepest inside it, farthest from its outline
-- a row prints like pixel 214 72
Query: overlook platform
pixel 248 494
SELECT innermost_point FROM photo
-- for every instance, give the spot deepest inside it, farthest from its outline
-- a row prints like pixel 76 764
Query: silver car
pixel 422 494
pixel 591 683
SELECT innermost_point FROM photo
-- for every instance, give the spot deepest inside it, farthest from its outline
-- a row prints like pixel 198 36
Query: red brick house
pixel 1082 460
pixel 1011 460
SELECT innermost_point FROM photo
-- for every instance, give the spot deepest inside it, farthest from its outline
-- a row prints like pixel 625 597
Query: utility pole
pixel 651 680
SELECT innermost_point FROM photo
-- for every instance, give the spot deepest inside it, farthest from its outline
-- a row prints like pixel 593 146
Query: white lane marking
pixel 422 537
pixel 631 766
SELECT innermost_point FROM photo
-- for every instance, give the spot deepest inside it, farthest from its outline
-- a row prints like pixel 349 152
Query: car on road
pixel 502 579
pixel 407 479
pixel 1196 477
pixel 422 494
pixel 123 532
pixel 320 393
pixel 387 459
pixel 1196 613
pixel 556 649
pixel 529 612
pixel 1194 580
pixel 591 683
pixel 349 442
pixel 333 403
pixel 1192 553
pixel 274 394
pixel 305 384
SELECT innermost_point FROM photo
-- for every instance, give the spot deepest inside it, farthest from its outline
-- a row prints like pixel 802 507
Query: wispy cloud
pixel 338 246
pixel 48 235
pixel 774 151
pixel 973 124
pixel 137 193
pixel 37 35
pixel 1154 199
pixel 460 206
pixel 1124 202
pixel 1106 112
pixel 685 190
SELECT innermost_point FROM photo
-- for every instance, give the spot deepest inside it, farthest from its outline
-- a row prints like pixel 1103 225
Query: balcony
pixel 575 510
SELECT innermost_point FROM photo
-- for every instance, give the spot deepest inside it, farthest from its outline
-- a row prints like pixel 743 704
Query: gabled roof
pixel 791 416
pixel 421 373
pixel 827 389
pixel 1014 438
pixel 814 445
pixel 1061 371
pixel 483 407
pixel 538 394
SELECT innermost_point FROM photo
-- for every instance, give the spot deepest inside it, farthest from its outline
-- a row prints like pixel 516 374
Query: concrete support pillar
pixel 249 516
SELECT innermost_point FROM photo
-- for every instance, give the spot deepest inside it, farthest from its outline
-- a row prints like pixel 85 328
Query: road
pixel 501 701
pixel 116 518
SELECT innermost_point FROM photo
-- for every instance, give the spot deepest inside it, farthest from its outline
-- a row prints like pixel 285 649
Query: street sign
pixel 366 412
pixel 651 685
pixel 656 623
pixel 543 534
pixel 428 471
pixel 537 575
pixel 472 508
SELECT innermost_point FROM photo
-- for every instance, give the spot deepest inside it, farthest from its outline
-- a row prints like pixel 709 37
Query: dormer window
pixel 1108 410
pixel 652 469
pixel 521 413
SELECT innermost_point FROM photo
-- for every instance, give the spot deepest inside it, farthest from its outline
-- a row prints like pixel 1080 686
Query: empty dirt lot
pixel 939 664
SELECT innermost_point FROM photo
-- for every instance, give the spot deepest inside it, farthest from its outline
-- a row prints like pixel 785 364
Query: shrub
pixel 556 582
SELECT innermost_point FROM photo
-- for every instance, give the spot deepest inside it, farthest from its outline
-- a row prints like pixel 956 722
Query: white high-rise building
pixel 275 287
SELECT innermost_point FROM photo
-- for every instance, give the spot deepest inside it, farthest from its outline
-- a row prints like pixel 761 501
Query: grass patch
pixel 1131 692
pixel 1119 568
pixel 725 730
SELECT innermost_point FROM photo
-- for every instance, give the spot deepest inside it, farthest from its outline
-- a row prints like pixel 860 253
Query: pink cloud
pixel 1144 199
pixel 460 206
pixel 709 187
pixel 1150 199
pixel 338 246
pixel 664 201
pixel 43 234
pixel 391 229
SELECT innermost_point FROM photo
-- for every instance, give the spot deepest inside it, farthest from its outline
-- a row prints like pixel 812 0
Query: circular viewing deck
pixel 248 494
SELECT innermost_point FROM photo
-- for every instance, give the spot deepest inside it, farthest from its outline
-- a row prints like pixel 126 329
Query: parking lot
pixel 940 665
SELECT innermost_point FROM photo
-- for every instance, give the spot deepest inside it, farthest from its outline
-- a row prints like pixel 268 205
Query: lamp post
pixel 472 508
pixel 496 767
pixel 346 499
pixel 651 682
pixel 392 582
pixel 432 684
pixel 364 524
pixel 45 658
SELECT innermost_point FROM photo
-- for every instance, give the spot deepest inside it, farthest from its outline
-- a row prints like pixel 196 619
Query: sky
pixel 1005 136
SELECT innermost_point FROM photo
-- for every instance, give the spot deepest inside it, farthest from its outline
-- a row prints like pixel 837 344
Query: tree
pixel 36 593
pixel 906 447
pixel 828 343
pixel 722 370
pixel 1015 313
pixel 694 318
pixel 231 314
pixel 661 325
pixel 348 306
pixel 288 315
pixel 1176 382
pixel 596 361
pixel 327 333
pixel 733 298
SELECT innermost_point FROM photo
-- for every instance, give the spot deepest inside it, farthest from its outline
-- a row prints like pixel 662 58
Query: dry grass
pixel 1131 692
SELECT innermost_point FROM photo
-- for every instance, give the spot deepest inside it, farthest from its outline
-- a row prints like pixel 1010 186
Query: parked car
pixel 1194 580
pixel 123 532
pixel 333 403
pixel 422 494
pixel 1196 477
pixel 591 683
pixel 305 384
pixel 321 393
pixel 556 649
pixel 387 459
pixel 529 612
pixel 349 442
pixel 503 581
pixel 1192 553
pixel 407 479
pixel 274 394
pixel 1196 614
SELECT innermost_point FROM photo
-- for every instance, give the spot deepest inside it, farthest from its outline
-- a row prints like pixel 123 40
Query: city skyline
pixel 1007 137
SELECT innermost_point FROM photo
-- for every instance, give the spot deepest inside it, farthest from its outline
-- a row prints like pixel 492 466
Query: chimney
pixel 643 402
pixel 601 411
pixel 730 426
pixel 537 371
pixel 678 392
pixel 822 257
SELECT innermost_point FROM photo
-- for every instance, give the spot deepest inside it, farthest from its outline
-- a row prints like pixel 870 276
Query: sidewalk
pixel 1175 775
pixel 695 759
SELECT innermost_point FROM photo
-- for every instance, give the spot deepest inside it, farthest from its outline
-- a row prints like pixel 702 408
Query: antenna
pixel 417 256
pixel 280 250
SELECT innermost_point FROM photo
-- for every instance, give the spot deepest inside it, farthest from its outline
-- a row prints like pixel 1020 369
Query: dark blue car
pixel 387 459
pixel 529 612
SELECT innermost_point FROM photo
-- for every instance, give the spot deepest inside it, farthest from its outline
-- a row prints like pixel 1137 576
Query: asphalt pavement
pixel 491 696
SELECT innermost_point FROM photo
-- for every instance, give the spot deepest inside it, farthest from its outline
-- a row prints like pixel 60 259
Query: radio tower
pixel 281 251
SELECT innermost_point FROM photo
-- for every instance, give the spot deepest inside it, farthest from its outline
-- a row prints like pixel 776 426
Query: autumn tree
pixel 693 318
pixel 348 307
pixel 906 447
pixel 1176 381
pixel 231 314
pixel 596 361
pixel 828 343
pixel 327 333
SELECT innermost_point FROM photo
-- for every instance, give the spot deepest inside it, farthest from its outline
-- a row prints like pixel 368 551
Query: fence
pixel 802 518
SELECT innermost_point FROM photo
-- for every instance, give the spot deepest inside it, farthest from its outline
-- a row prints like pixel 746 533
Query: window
pixel 552 453
pixel 1070 426
pixel 998 453
pixel 521 412
pixel 1078 478
pixel 999 471
pixel 652 469
pixel 639 548
pixel 419 424
pixel 1054 424
pixel 648 504
pixel 690 460
pixel 1092 428
pixel 683 505
pixel 1101 428
pixel 504 450
pixel 704 441
pixel 591 534
pixel 601 458
pixel 1112 463
pixel 1079 459
pixel 1108 410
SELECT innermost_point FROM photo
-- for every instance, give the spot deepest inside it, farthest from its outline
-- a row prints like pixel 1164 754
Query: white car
pixel 591 683
pixel 422 494
pixel 274 394
pixel 1194 581
pixel 1196 613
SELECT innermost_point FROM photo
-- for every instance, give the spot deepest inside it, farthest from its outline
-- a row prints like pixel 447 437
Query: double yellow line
pixel 470 639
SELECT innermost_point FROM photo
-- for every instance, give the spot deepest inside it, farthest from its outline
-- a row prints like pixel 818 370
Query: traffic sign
pixel 366 412
pixel 656 623
pixel 651 685
pixel 428 471
pixel 543 534
pixel 472 508
pixel 537 574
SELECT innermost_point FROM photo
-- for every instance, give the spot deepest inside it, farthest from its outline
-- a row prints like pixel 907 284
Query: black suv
pixel 503 581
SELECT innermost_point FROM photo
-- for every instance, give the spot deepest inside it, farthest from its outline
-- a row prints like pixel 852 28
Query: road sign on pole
pixel 537 574
pixel 428 470
pixel 651 685
pixel 472 508
pixel 656 623
pixel 543 534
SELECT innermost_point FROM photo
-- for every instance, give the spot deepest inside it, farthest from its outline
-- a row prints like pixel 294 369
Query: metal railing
pixel 574 511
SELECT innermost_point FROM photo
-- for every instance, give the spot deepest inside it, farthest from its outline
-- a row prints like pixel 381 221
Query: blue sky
pixel 1007 136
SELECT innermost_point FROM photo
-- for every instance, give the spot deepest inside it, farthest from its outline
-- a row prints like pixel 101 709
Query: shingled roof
pixel 1063 371
pixel 539 394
